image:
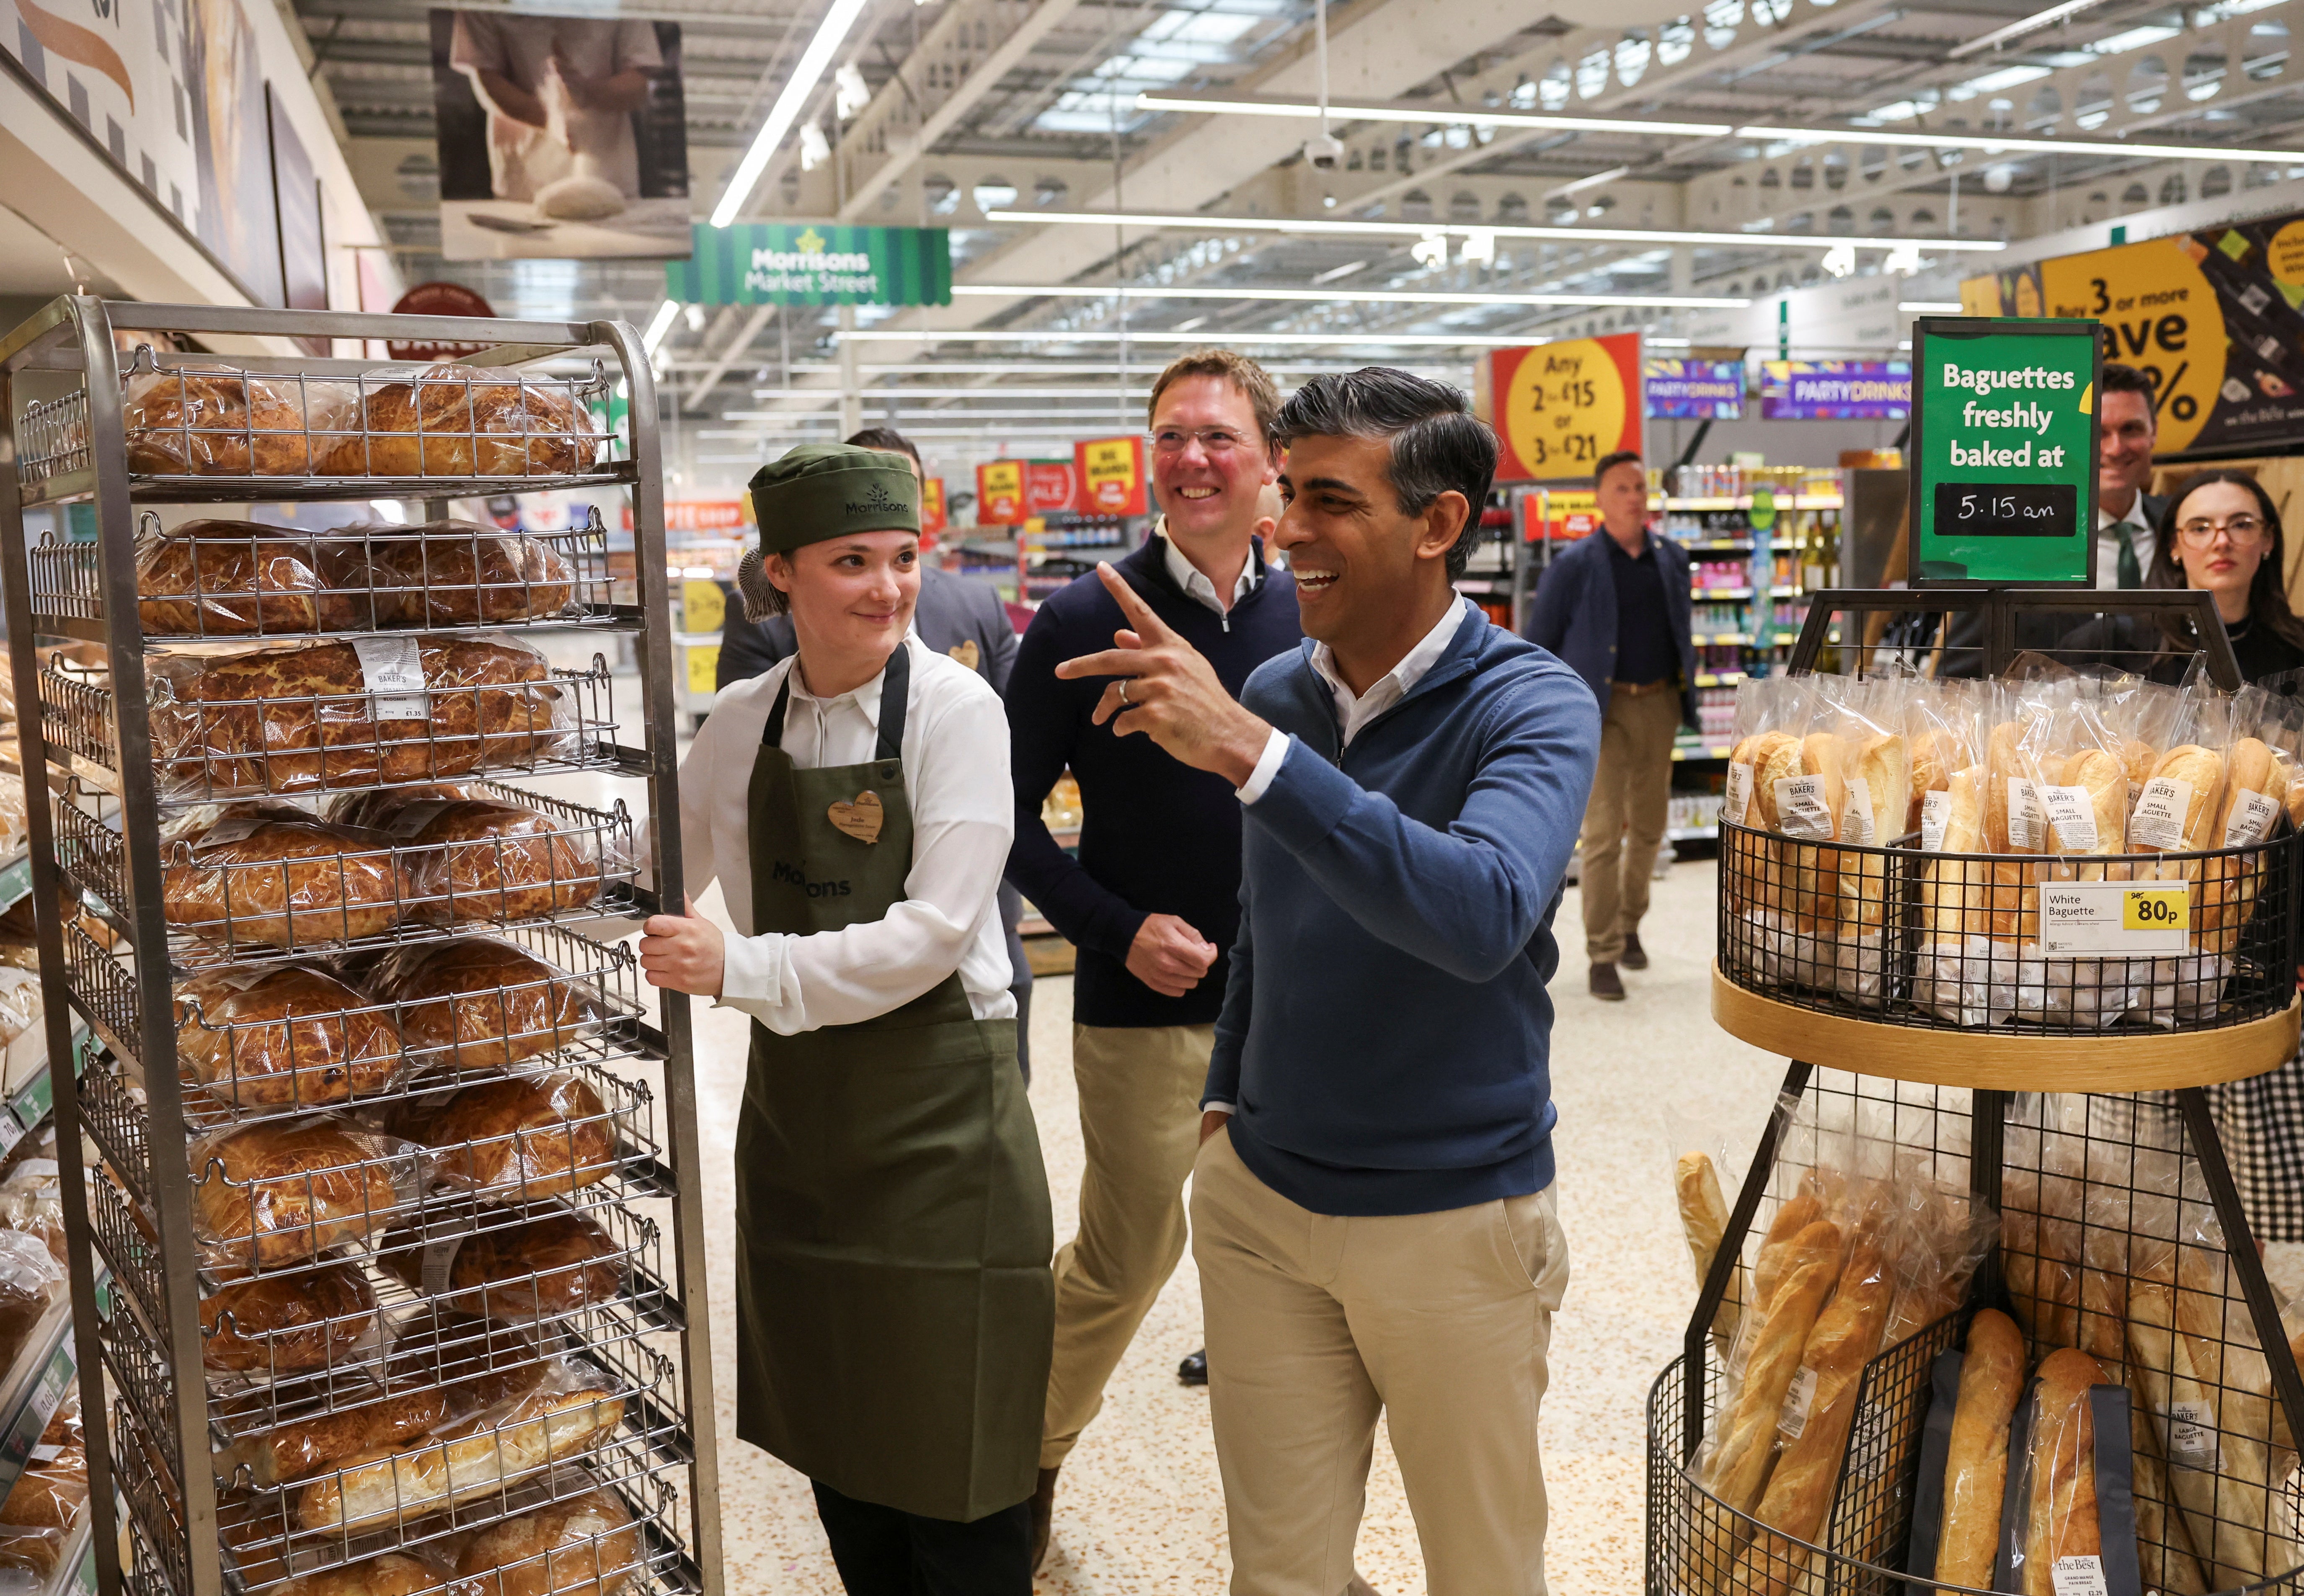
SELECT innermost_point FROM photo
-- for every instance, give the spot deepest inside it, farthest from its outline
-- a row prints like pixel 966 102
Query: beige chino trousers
pixel 1140 1110
pixel 1631 792
pixel 1316 1323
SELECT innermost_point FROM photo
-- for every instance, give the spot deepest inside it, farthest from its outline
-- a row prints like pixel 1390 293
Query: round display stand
pixel 2008 1060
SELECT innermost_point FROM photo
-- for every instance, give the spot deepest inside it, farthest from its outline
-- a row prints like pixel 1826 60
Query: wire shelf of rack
pixel 394 1078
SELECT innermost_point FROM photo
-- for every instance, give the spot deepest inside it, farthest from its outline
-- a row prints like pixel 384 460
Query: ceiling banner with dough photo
pixel 560 137
pixel 2216 317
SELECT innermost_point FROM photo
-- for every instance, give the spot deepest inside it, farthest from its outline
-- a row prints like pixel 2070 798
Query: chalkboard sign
pixel 2007 508
pixel 2004 449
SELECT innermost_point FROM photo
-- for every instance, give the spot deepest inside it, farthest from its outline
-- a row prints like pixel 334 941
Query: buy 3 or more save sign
pixel 1559 407
pixel 2004 440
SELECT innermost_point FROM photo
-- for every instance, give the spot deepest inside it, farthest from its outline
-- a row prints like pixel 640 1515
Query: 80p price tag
pixel 2155 908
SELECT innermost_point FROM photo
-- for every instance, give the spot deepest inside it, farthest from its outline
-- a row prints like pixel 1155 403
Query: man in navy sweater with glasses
pixel 1372 1206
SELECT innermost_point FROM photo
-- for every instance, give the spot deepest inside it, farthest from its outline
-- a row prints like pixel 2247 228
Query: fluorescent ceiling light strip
pixel 1495 116
pixel 2011 144
pixel 826 397
pixel 1045 368
pixel 1321 296
pixel 659 325
pixel 813 60
pixel 1931 306
pixel 970 415
pixel 1587 235
pixel 1400 339
pixel 1482 116
pixel 2021 26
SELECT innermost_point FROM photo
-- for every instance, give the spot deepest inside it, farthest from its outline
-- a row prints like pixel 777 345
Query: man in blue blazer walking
pixel 1616 607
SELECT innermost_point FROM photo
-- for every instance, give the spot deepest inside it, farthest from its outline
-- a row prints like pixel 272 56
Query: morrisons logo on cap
pixel 876 501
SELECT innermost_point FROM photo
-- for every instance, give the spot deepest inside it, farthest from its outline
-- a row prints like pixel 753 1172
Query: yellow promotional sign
pixel 1112 475
pixel 704 668
pixel 2156 908
pixel 1558 407
pixel 1000 492
pixel 704 608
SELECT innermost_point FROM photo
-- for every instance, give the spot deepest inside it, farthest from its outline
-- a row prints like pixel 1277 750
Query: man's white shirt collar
pixel 1195 583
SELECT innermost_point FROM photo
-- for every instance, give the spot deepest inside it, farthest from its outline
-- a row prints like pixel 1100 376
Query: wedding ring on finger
pixel 1123 689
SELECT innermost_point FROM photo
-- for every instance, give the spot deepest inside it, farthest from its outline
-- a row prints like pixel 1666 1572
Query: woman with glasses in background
pixel 2221 534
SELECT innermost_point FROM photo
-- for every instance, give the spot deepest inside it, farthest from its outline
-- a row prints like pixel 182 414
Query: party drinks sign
pixel 1692 390
pixel 1835 390
pixel 2003 445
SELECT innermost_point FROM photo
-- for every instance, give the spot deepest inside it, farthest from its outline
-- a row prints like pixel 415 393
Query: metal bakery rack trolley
pixel 2120 1230
pixel 383 1146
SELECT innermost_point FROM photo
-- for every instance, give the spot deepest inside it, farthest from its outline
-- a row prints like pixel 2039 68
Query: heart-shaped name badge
pixel 966 652
pixel 862 819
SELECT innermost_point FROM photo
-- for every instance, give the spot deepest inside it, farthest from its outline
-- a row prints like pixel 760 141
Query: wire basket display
pixel 395 1182
pixel 1955 941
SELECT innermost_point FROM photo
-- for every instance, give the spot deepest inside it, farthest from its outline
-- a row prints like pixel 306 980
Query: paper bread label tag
pixel 1858 828
pixel 2250 820
pixel 1736 804
pixel 2026 818
pixel 393 671
pixel 2158 820
pixel 237 828
pixel 2082 1576
pixel 1800 809
pixel 439 1258
pixel 411 818
pixel 1797 1402
pixel 1935 814
pixel 2192 1435
pixel 2072 813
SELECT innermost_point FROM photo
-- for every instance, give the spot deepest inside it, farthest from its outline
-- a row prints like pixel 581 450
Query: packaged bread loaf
pixel 482 1004
pixel 272 1036
pixel 285 1324
pixel 2061 1502
pixel 488 859
pixel 371 809
pixel 218 422
pixel 460 573
pixel 30 1280
pixel 1744 1448
pixel 580 1545
pixel 222 579
pixel 278 1191
pixel 516 1140
pixel 394 1574
pixel 1975 1465
pixel 572 1412
pixel 314 1435
pixel 1704 1219
pixel 384 709
pixel 556 1263
pixel 460 421
pixel 273 875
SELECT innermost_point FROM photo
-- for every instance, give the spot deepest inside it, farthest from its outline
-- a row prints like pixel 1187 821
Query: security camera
pixel 1325 153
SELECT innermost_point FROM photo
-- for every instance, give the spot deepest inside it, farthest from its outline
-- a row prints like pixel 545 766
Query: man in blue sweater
pixel 1153 899
pixel 1372 1206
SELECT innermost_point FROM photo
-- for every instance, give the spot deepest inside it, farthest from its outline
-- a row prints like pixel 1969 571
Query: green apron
pixel 894 1306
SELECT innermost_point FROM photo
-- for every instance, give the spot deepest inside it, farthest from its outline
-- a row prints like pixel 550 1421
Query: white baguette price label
pixel 2161 811
pixel 1801 810
pixel 2250 820
pixel 1798 1400
pixel 1860 829
pixel 2027 820
pixel 2083 918
pixel 2071 811
pixel 1736 804
pixel 2192 1434
pixel 393 670
pixel 1935 814
pixel 2080 1576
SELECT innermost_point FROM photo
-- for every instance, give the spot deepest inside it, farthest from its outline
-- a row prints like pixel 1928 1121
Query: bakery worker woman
pixel 893 1301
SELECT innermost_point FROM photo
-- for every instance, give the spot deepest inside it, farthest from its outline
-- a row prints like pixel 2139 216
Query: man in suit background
pixel 1616 607
pixel 966 620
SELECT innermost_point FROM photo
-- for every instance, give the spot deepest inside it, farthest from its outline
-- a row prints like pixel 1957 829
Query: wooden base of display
pixel 2005 1061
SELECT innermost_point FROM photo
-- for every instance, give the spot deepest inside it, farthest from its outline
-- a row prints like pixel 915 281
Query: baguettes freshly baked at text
pixel 1704 1219
pixel 2060 1518
pixel 1976 1463
pixel 1739 1467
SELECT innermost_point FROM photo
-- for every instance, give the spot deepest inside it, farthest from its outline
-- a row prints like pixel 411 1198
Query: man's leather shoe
pixel 1607 984
pixel 1044 1514
pixel 1634 956
pixel 1194 1369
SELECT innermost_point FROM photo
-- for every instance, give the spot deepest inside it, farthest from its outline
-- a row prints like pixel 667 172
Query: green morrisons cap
pixel 822 490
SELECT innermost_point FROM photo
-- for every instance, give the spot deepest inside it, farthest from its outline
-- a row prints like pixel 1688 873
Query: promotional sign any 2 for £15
pixel 2004 449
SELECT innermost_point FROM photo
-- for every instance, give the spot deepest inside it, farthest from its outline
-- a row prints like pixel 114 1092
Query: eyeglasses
pixel 2242 530
pixel 1214 440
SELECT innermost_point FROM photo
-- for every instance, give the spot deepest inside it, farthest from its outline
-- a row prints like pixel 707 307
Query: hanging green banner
pixel 2003 449
pixel 766 263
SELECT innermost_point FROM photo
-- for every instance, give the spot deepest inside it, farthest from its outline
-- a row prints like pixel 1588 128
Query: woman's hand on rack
pixel 684 951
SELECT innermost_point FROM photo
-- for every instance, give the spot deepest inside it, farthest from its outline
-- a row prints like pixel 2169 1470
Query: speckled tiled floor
pixel 1141 1514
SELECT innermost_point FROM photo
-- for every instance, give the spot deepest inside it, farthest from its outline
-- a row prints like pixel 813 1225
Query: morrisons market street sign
pixel 764 263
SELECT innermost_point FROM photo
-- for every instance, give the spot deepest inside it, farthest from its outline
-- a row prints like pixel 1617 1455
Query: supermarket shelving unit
pixel 110 955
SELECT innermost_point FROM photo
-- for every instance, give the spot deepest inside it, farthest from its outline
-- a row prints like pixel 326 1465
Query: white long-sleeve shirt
pixel 955 755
